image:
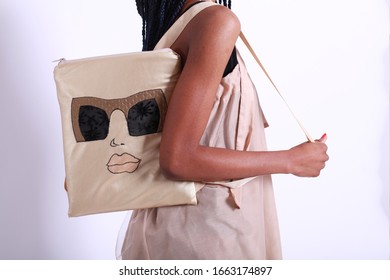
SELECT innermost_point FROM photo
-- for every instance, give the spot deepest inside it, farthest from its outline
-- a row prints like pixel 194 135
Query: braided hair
pixel 158 16
pixel 226 3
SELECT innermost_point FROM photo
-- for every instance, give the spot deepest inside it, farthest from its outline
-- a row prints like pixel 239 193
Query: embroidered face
pixel 92 120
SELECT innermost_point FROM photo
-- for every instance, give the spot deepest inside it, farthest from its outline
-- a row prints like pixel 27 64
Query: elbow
pixel 169 170
pixel 173 166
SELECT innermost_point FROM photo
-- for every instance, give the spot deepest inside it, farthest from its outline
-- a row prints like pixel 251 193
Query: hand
pixel 308 159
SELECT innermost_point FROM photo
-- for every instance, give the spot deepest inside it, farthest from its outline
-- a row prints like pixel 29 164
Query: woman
pixel 214 131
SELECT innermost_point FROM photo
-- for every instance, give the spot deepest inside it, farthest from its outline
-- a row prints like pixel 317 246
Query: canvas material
pixel 93 186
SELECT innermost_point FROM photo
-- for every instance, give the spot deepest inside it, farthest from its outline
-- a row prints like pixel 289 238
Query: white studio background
pixel 330 58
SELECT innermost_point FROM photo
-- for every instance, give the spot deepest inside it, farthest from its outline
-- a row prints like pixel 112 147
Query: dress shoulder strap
pixel 177 28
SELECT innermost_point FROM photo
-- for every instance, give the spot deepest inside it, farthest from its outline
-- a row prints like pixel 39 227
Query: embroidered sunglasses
pixel 144 111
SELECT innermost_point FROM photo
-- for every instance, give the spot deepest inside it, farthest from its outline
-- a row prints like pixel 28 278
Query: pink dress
pixel 228 223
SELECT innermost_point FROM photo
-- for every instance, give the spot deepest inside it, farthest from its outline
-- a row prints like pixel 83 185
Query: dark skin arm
pixel 205 46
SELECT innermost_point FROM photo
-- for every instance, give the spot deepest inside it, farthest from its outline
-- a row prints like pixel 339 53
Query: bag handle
pixel 243 38
pixel 170 36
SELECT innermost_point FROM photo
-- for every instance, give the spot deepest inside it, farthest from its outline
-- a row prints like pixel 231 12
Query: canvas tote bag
pixel 112 112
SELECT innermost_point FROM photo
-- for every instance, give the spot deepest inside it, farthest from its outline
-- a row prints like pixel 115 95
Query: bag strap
pixel 171 35
pixel 247 44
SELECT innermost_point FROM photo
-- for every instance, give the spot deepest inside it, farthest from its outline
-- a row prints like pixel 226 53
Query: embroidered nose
pixel 113 144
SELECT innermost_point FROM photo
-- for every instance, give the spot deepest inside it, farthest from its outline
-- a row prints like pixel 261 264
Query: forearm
pixel 219 164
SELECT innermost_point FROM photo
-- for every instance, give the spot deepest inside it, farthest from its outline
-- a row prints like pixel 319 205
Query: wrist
pixel 287 162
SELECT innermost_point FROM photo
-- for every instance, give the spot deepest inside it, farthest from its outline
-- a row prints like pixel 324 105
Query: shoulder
pixel 215 26
pixel 220 13
pixel 216 18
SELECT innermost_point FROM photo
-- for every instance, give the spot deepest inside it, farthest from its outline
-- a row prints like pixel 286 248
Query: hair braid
pixel 158 16
pixel 226 3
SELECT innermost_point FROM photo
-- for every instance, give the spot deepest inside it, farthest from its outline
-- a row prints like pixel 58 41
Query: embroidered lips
pixel 124 163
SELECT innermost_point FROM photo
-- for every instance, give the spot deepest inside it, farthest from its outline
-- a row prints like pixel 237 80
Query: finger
pixel 323 138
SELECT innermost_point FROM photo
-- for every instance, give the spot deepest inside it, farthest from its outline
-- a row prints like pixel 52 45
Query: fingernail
pixel 324 138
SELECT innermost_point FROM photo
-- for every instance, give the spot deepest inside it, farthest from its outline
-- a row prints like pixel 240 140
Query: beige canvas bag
pixel 112 111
